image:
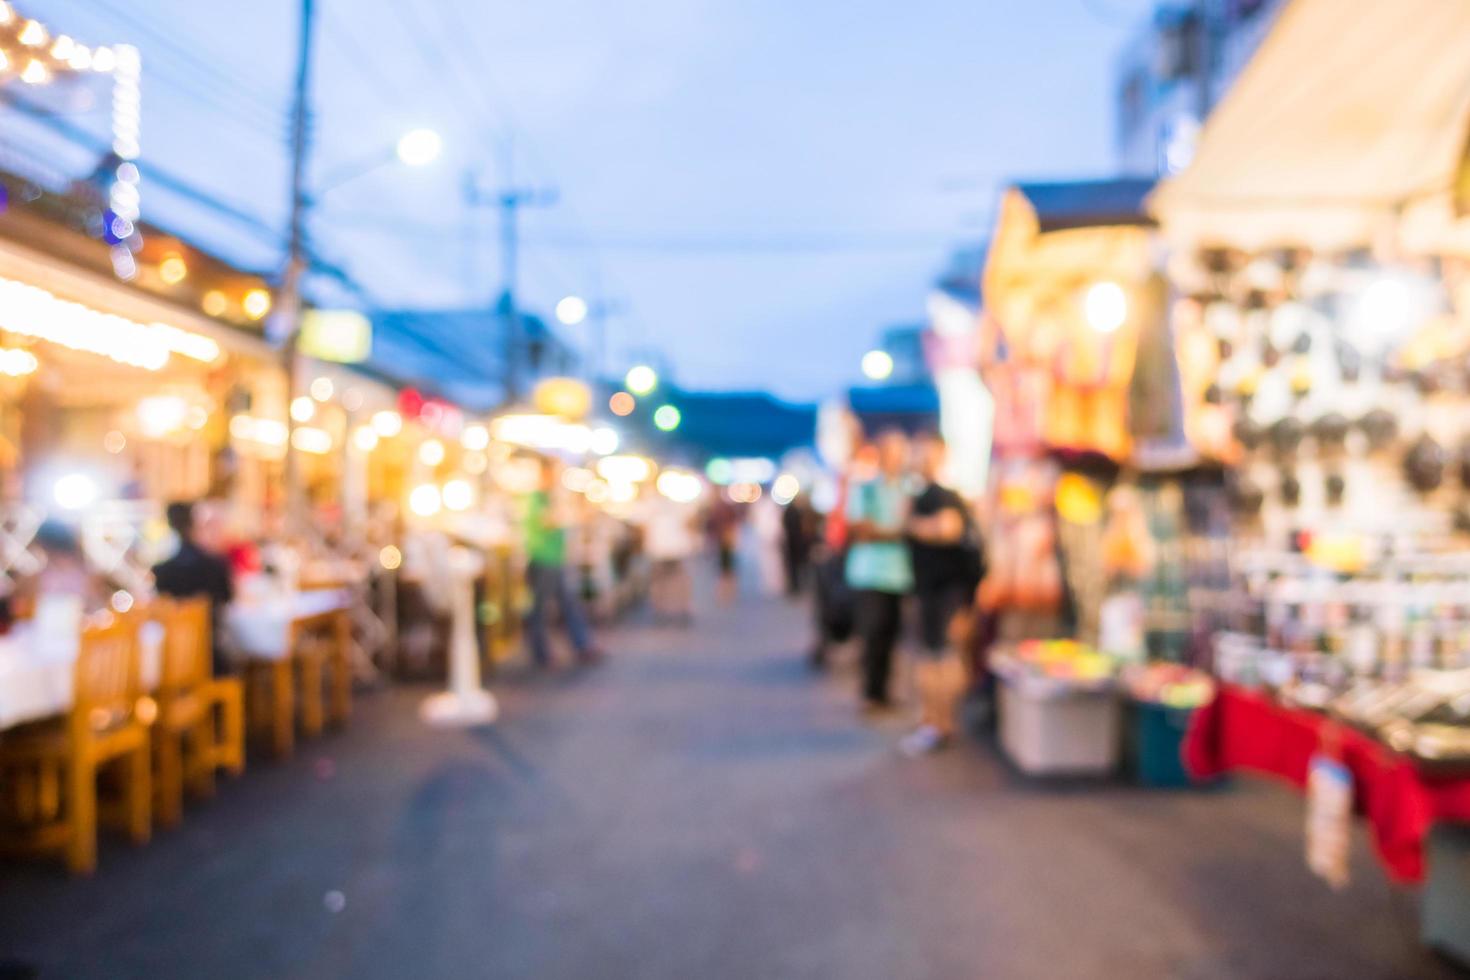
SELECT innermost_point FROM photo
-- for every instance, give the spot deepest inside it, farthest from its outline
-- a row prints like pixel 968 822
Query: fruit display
pixel 1168 684
pixel 1058 666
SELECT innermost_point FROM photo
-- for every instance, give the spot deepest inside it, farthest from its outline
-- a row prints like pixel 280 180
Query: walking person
pixel 948 565
pixel 798 522
pixel 669 530
pixel 546 555
pixel 724 532
pixel 878 565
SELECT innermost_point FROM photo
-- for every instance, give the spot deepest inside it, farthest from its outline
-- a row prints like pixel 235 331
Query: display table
pixel 1243 730
pixel 36 670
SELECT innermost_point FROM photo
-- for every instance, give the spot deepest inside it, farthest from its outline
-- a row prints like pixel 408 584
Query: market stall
pixel 1318 244
pixel 1105 527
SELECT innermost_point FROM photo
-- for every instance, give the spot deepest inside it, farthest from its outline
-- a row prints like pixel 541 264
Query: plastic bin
pixel 1158 737
pixel 1057 730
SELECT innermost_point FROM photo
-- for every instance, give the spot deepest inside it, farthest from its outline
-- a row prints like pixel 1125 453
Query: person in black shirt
pixel 947 570
pixel 797 531
pixel 193 571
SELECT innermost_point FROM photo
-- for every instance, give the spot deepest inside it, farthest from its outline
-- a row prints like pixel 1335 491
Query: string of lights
pixel 235 116
pixel 203 76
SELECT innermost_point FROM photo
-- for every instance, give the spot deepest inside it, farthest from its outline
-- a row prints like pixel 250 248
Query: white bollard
pixel 465 703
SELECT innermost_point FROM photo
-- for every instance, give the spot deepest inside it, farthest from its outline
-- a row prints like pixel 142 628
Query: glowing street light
pixel 415 148
pixel 419 147
pixel 667 418
pixel 641 379
pixel 572 310
pixel 877 365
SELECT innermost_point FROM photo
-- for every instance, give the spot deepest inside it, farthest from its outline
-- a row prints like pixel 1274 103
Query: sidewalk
pixel 700 806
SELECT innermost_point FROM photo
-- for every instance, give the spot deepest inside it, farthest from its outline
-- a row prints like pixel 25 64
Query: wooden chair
pixel 321 645
pixel 279 689
pixel 201 724
pixel 270 701
pixel 53 767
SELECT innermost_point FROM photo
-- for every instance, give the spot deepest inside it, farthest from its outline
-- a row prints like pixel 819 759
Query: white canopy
pixel 1349 124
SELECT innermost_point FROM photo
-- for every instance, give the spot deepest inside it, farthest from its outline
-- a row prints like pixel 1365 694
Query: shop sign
pixel 566 398
pixel 343 336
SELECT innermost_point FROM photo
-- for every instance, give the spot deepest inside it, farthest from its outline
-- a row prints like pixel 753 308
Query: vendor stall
pixel 1319 247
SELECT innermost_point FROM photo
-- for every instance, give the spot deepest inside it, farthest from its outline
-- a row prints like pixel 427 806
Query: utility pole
pixel 509 199
pixel 288 300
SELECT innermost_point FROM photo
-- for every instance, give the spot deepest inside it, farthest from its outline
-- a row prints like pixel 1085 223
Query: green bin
pixel 1158 738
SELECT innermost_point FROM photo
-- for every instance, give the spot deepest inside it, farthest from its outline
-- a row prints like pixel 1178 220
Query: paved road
pixel 701 806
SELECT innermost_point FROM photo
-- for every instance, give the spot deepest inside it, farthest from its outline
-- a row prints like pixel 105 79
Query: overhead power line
pixel 690 242
pixel 199 68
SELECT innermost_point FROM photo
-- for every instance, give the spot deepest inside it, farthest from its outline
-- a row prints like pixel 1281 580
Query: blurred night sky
pixel 764 184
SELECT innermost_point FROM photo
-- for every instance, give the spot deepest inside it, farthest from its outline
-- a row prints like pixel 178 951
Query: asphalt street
pixel 701 805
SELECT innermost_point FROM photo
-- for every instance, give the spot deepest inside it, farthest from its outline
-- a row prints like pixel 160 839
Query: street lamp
pixel 419 147
pixel 641 379
pixel 877 365
pixel 572 310
pixel 415 148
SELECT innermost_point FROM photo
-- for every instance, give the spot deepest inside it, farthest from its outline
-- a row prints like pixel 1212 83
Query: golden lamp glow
pixel 387 423
pixel 475 438
pixel 256 303
pixel 173 270
pixel 458 495
pixel 425 500
pixel 1106 306
pixel 215 303
pixel 33 35
pixel 302 408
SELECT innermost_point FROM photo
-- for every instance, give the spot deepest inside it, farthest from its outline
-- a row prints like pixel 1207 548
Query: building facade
pixel 1175 70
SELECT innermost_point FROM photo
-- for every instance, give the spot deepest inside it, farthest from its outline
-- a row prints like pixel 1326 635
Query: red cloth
pixel 1245 730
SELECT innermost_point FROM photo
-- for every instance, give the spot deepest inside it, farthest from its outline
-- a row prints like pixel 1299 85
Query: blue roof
pixel 727 423
pixel 1089 203
pixel 911 407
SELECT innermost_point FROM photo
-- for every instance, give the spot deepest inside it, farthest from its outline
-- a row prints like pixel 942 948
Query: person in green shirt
pixel 878 567
pixel 546 555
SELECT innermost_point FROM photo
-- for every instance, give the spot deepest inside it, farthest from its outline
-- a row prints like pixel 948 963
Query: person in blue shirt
pixel 879 569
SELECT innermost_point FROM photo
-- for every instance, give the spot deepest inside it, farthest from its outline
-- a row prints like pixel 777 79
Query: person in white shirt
pixel 670 538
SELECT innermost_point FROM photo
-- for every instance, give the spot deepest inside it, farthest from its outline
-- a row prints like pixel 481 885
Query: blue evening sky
pixel 762 184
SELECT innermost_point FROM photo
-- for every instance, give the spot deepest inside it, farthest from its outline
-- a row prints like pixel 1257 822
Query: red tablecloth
pixel 1245 730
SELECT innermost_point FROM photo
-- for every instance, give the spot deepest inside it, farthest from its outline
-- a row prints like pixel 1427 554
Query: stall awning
pixel 1052 239
pixel 1347 127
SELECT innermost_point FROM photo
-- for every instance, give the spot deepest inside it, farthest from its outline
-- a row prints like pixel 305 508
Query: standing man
pixel 546 556
pixel 948 567
pixel 878 567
